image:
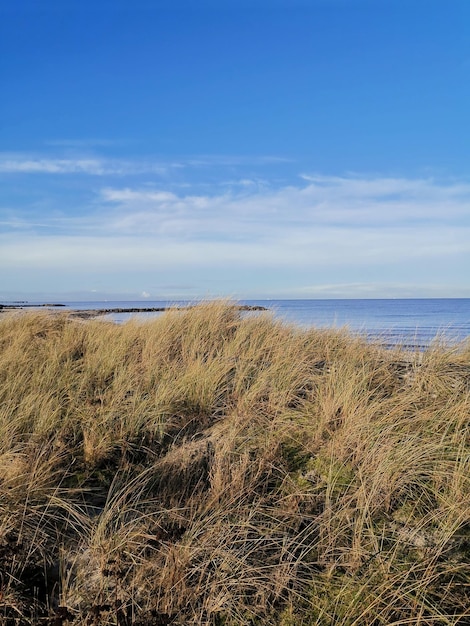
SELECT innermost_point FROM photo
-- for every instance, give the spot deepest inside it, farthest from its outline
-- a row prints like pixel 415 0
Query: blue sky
pixel 253 149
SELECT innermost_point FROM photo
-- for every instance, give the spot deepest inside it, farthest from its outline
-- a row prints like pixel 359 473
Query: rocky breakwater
pixel 90 313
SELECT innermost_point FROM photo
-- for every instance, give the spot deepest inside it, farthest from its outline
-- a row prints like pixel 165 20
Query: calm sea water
pixel 410 321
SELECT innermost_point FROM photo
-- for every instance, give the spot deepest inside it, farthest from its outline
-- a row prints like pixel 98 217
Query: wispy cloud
pixel 337 228
pixel 52 166
pixel 234 160
pixel 321 204
pixel 24 164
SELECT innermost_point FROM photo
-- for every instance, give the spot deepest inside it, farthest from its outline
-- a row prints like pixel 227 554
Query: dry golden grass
pixel 217 469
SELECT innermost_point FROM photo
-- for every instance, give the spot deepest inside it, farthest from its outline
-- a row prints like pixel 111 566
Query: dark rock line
pixel 87 313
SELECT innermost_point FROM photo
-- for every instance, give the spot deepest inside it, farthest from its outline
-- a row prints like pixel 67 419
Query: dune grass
pixel 217 469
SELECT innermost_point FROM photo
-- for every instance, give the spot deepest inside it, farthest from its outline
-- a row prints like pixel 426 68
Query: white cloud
pixel 24 164
pixel 322 204
pixel 234 160
pixel 129 196
pixel 51 166
pixel 338 228
pixel 376 290
pixel 292 250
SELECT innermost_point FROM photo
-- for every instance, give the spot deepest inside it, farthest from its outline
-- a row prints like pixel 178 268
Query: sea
pixel 409 322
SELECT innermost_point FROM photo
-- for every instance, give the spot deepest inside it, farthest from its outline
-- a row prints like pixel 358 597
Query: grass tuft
pixel 214 468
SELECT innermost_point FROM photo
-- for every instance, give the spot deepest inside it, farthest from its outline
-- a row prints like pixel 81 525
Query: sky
pixel 245 148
